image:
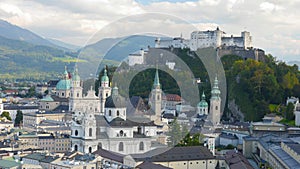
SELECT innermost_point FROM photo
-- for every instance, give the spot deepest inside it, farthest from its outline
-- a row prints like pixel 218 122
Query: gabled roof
pixel 109 155
pixel 149 165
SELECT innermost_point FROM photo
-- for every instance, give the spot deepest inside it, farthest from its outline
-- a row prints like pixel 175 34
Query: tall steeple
pixel 215 104
pixel 104 90
pixel 215 92
pixel 155 99
pixel 202 107
pixel 156 84
pixel 66 74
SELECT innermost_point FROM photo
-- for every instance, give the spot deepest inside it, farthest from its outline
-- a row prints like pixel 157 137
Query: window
pixel 121 133
pixel 106 94
pixel 109 112
pixel 121 146
pixel 76 148
pixel 90 149
pixel 76 132
pixel 118 113
pixel 141 147
pixel 99 146
pixel 216 107
pixel 62 94
pixel 77 94
pixel 90 132
pixel 158 97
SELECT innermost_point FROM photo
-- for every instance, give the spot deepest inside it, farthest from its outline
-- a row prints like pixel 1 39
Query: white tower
pixel 215 104
pixel 89 132
pixel 76 90
pixel 156 97
pixel 104 91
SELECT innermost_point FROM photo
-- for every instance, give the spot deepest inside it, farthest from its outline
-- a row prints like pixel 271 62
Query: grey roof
pixel 295 147
pixel 115 101
pixel 175 154
pixel 236 160
pixel 119 122
pixel 8 164
pixel 109 155
pixel 35 156
pixel 16 107
pixel 149 165
pixel 228 136
pixel 285 157
pixel 62 108
pixel 49 159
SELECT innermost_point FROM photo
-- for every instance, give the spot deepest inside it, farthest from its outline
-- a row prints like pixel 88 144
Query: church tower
pixel 76 90
pixel 104 91
pixel 155 100
pixel 89 132
pixel 215 104
pixel 202 108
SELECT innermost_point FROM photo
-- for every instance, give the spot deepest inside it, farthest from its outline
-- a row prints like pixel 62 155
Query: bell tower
pixel 76 90
pixel 215 104
pixel 104 91
pixel 155 100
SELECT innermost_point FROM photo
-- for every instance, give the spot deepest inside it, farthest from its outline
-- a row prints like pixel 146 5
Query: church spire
pixel 156 83
pixel 105 79
pixel 76 76
pixel 215 92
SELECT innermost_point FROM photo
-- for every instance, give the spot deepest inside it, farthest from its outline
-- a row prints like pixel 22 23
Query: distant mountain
pixel 114 49
pixel 63 44
pixel 14 32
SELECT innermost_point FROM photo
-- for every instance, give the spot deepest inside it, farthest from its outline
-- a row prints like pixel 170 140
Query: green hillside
pixel 255 86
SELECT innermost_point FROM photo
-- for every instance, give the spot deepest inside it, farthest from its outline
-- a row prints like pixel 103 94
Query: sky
pixel 273 24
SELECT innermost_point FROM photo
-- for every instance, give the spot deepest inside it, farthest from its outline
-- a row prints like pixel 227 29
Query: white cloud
pixel 75 21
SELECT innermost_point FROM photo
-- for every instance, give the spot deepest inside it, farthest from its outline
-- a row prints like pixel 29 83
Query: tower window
pixel 76 132
pixel 121 133
pixel 106 94
pixel 90 149
pixel 216 107
pixel 62 94
pixel 109 112
pixel 118 113
pixel 141 146
pixel 121 146
pixel 76 148
pixel 158 97
pixel 90 132
pixel 77 94
pixel 99 146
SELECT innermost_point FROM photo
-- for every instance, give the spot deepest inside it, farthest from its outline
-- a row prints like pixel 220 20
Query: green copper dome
pixel 203 103
pixel 63 84
pixel 105 78
pixel 76 76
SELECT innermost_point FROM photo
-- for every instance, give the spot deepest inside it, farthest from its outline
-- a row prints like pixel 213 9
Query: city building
pixel 110 130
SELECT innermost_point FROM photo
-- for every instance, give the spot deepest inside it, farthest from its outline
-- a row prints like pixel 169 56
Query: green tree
pixel 174 133
pixel 19 118
pixel 6 115
pixel 289 113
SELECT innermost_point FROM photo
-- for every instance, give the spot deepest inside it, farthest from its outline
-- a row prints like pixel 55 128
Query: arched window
pixel 158 97
pixel 76 132
pixel 106 94
pixel 90 149
pixel 77 94
pixel 109 112
pixel 121 146
pixel 99 146
pixel 141 146
pixel 90 132
pixel 216 107
pixel 118 113
pixel 121 133
pixel 75 148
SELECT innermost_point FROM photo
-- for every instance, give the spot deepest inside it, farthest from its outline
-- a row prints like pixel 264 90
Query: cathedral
pixel 101 122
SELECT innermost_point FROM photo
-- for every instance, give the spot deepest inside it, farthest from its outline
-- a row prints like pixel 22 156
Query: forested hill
pixel 258 88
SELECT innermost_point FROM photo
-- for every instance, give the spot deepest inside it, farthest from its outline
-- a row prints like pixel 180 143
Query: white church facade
pixel 101 122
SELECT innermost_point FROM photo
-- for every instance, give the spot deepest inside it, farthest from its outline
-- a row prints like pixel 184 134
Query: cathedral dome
pixel 105 78
pixel 63 84
pixel 115 100
pixel 202 103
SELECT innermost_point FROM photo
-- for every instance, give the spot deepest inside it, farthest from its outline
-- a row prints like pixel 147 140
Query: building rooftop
pixel 149 165
pixel 285 157
pixel 8 164
pixel 295 147
pixel 109 155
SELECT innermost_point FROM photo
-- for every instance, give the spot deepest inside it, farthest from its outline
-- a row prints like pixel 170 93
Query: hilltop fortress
pixel 237 45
